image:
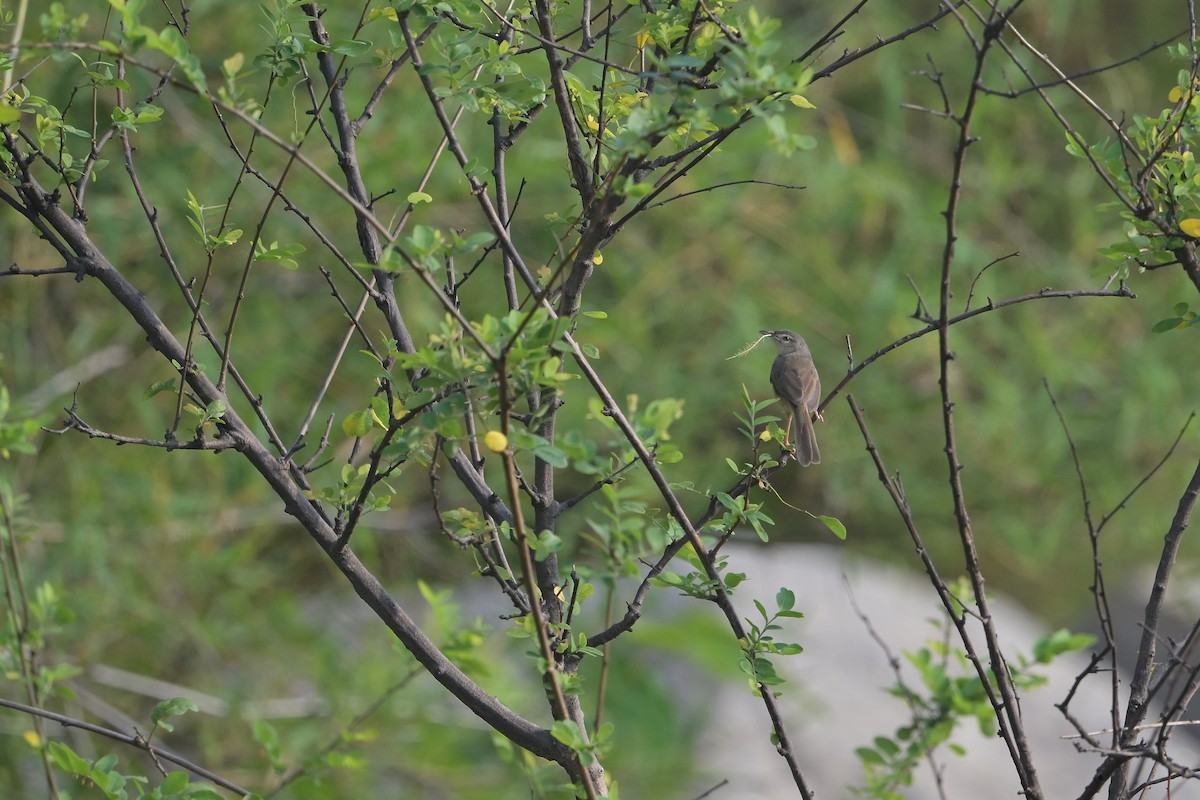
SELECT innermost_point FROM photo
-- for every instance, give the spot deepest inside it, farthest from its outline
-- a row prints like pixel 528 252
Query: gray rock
pixel 836 698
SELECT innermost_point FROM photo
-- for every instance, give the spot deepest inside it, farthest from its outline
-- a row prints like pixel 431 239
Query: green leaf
pixel 282 254
pixel 8 114
pixel 142 114
pixel 175 707
pixel 785 599
pixel 476 241
pixel 67 760
pixel 475 169
pixel 265 734
pixel 350 47
pixel 668 454
pixel 229 237
pixel 834 524
pixel 546 543
pixel 357 424
pixel 160 386
pixel 416 198
pixel 174 783
pixel 886 746
pixel 1059 642
pixel 1168 324
pixel 671 579
pixel 381 415
pixel 552 456
pixel 424 238
pixel 568 733
pixel 171 42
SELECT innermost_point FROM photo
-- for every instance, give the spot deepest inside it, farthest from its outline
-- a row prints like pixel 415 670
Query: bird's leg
pixel 787 429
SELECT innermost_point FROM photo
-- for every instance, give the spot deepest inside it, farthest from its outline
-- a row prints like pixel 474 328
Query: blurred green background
pixel 182 566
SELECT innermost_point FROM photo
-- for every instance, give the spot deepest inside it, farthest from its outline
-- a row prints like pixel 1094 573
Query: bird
pixel 795 380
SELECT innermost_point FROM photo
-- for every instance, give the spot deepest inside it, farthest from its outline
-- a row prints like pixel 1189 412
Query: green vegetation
pixel 455 289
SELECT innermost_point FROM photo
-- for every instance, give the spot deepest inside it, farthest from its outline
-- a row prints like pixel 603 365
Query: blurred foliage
pixel 832 247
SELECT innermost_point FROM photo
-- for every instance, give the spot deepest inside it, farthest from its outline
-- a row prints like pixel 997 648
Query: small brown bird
pixel 795 380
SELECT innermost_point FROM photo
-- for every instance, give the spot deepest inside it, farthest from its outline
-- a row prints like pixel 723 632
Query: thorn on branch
pixel 376 198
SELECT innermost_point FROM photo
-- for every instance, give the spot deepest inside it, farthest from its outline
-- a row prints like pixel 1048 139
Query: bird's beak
pixel 767 333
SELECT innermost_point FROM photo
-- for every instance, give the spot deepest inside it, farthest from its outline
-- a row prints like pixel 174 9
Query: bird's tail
pixel 807 452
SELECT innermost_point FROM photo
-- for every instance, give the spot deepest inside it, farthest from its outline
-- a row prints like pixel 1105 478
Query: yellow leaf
pixel 1190 226
pixel 643 39
pixel 1175 95
pixel 765 436
pixel 800 101
pixel 598 259
pixel 233 65
pixel 495 441
pixel 32 739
